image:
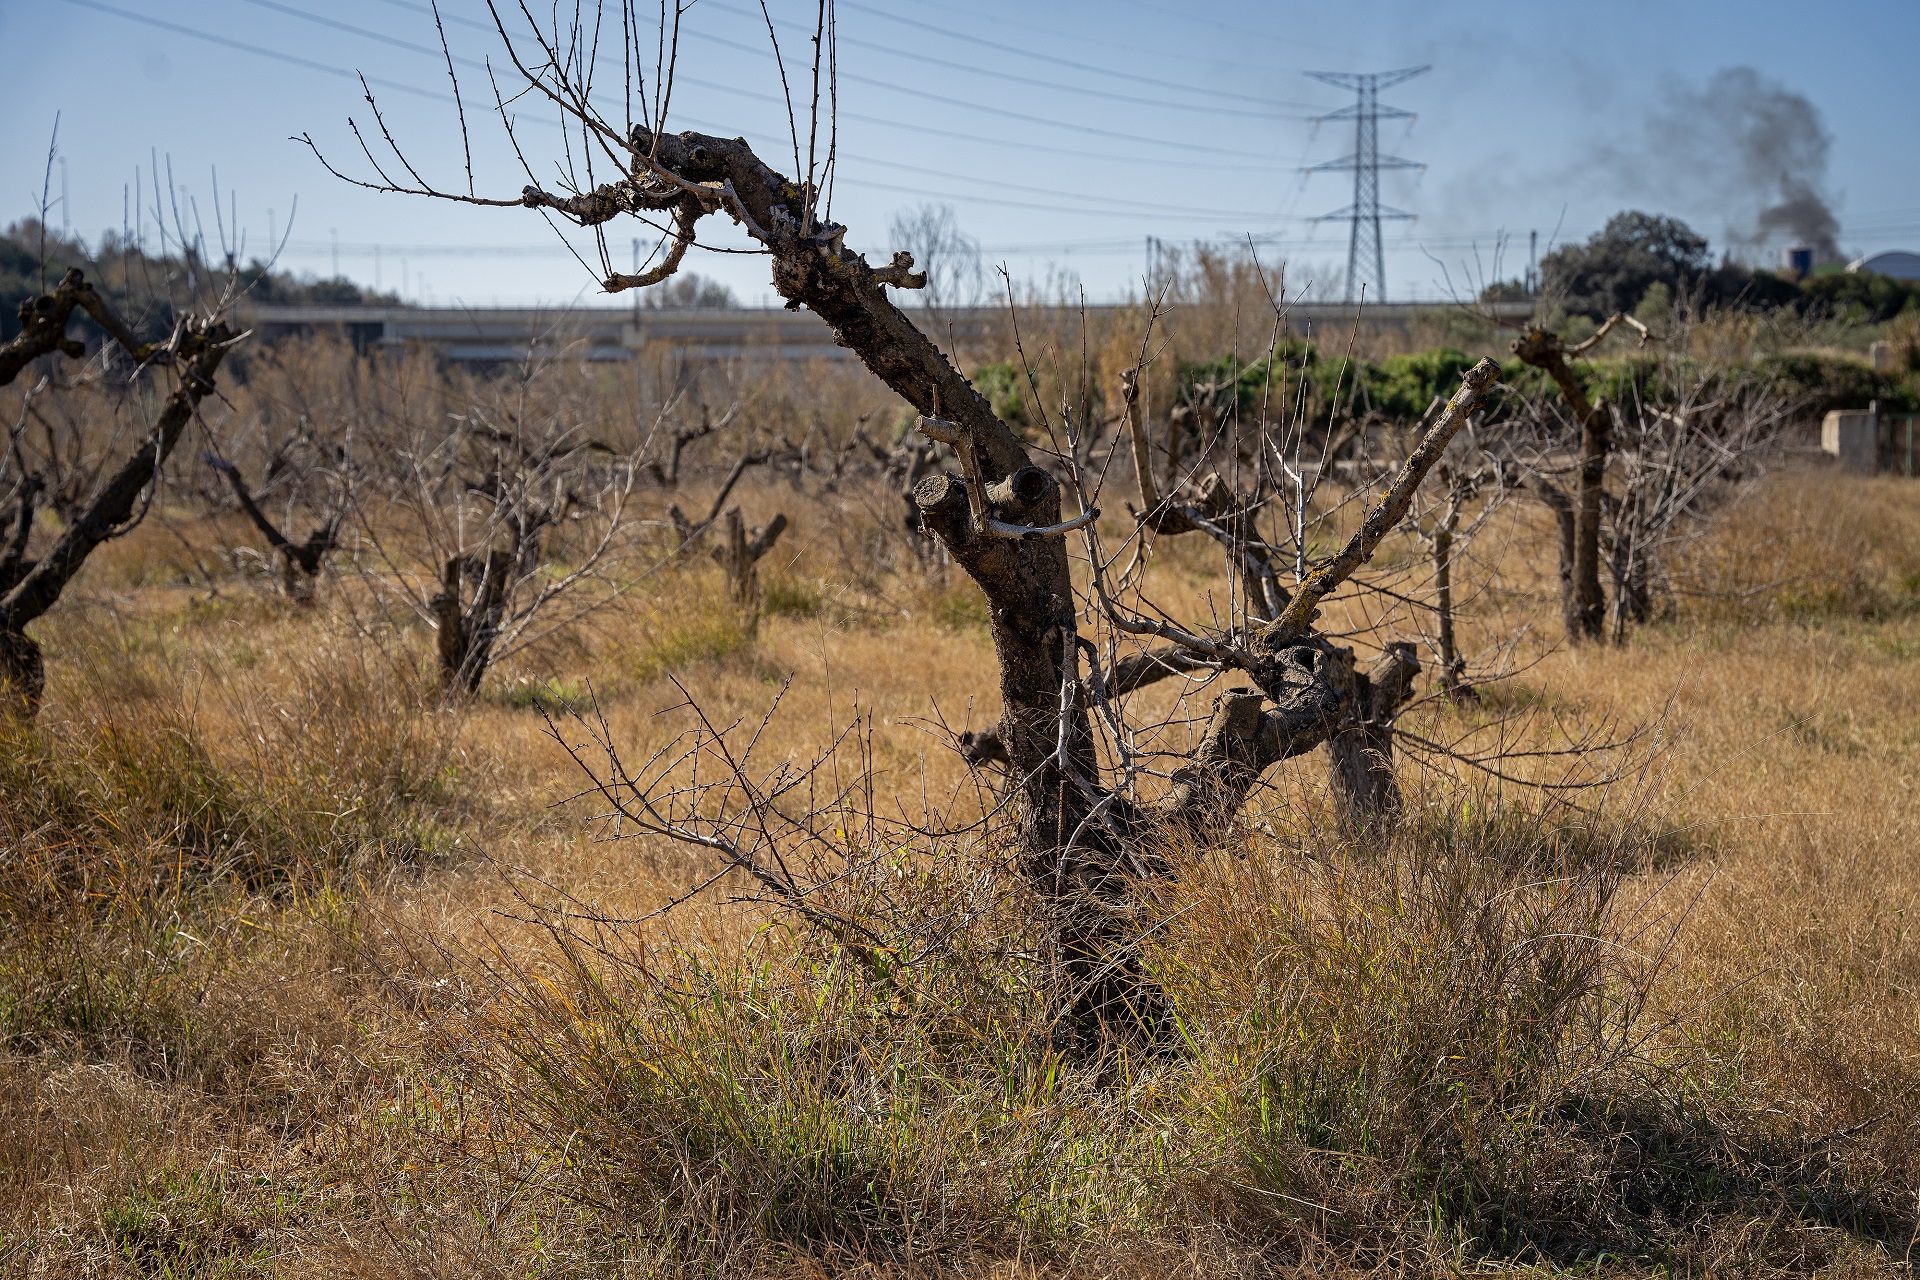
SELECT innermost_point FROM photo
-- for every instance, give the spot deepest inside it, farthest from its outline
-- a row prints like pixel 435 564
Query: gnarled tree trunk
pixel 300 562
pixel 1081 843
pixel 740 555
pixel 1360 755
pixel 467 626
pixel 1566 536
pixel 1584 603
pixel 29 588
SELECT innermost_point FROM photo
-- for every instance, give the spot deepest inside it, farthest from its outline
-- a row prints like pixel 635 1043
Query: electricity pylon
pixel 1366 162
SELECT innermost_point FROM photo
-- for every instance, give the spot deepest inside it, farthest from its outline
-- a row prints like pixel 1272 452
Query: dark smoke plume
pixel 1743 143
pixel 1801 217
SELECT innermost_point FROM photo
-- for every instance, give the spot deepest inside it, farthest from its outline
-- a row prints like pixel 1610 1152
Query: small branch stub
pixel 1024 490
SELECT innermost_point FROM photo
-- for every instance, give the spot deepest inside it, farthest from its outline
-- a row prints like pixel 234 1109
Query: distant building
pixel 1895 263
pixel 1868 442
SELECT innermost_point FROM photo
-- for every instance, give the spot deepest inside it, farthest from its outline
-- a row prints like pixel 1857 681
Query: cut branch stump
pixel 740 555
pixel 467 627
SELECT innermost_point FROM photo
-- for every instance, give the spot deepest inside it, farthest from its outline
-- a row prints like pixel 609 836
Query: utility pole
pixel 1156 253
pixel 1366 260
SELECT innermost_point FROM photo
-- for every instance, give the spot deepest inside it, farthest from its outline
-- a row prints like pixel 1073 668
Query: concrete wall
pixel 1852 436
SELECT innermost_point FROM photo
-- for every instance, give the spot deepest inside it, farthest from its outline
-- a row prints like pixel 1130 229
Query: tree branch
pixel 43 327
pixel 1297 618
pixel 197 355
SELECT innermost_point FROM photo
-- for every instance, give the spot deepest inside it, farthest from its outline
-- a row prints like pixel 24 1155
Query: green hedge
pixel 1400 388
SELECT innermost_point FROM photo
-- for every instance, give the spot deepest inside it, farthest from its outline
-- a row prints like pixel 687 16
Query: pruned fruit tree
pixel 111 504
pixel 1092 821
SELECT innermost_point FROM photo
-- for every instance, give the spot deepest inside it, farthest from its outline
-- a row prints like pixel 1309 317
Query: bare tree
pixel 494 522
pixel 29 586
pixel 1083 837
pixel 740 555
pixel 1360 753
pixel 689 531
pixel 1475 480
pixel 946 255
pixel 1691 437
pixel 1654 467
pixel 300 562
pixel 667 474
pixel 1583 604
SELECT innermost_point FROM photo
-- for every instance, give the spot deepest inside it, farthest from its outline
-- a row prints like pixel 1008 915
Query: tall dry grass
pixel 295 978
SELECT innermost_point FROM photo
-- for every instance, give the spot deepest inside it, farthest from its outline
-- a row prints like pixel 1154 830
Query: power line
pixel 1268 113
pixel 1164 211
pixel 349 28
pixel 1127 245
pixel 1136 205
pixel 1105 206
pixel 1239 30
pixel 244 47
pixel 1366 162
pixel 1055 60
pixel 733 90
pixel 1024 117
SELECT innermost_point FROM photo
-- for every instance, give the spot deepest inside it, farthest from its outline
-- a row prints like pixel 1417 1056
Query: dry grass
pixel 288 985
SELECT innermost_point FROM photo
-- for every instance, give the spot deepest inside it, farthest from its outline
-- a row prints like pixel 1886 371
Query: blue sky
pixel 1062 134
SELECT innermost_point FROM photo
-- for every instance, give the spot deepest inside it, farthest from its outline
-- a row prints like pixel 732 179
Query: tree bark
pixel 112 512
pixel 1561 505
pixel 1452 666
pixel 1585 603
pixel 1589 603
pixel 1360 755
pixel 1080 845
pixel 740 556
pixel 466 629
pixel 14 564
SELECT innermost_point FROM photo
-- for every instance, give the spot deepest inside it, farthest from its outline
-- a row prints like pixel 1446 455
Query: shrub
pixel 551 695
pixel 793 598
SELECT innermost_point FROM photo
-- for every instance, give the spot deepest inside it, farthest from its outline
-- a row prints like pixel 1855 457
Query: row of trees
pixel 496 506
pixel 169 380
pixel 488 483
pixel 1613 271
pixel 1238 461
pixel 494 509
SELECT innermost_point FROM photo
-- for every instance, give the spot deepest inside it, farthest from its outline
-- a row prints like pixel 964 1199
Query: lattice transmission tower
pixel 1366 262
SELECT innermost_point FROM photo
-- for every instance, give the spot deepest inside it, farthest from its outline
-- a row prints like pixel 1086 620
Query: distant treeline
pixel 1646 261
pixel 148 289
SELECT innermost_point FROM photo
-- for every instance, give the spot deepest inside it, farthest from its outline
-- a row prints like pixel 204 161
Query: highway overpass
pixel 499 335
